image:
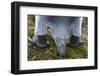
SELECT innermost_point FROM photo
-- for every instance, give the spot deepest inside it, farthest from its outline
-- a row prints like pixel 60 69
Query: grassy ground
pixel 49 53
